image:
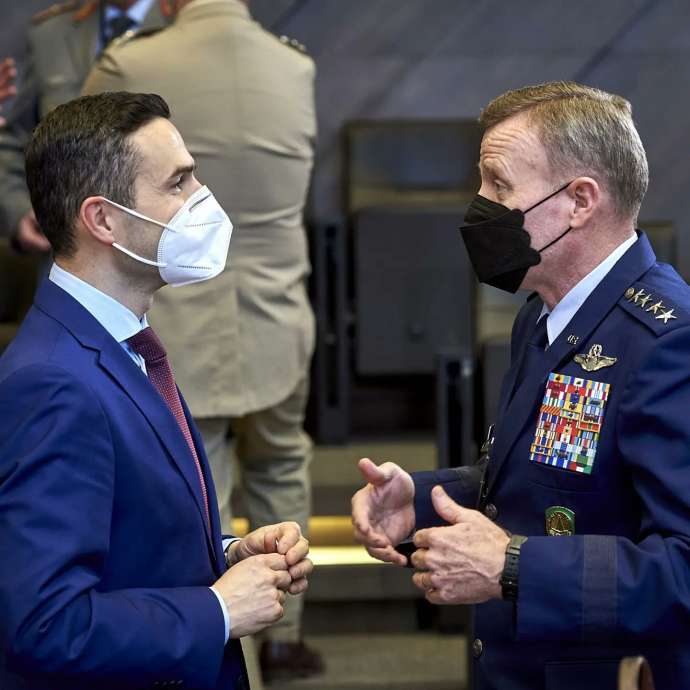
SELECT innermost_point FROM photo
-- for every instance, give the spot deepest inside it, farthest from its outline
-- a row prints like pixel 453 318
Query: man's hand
pixel 254 593
pixel 383 511
pixel 29 236
pixel 7 88
pixel 285 539
pixel 460 564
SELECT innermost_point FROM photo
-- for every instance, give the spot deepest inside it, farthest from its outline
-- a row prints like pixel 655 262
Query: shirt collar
pixel 117 319
pixel 137 12
pixel 564 311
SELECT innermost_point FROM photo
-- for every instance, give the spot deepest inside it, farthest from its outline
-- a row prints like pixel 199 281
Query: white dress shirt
pixel 121 323
pixel 564 311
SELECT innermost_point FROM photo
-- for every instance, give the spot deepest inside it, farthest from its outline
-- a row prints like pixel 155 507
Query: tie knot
pixel 147 344
pixel 117 26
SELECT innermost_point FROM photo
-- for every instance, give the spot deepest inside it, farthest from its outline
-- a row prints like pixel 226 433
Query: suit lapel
pixel 144 395
pixel 519 411
pixel 216 529
pixel 119 365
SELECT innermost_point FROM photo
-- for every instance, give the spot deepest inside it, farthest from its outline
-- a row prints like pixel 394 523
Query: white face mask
pixel 195 241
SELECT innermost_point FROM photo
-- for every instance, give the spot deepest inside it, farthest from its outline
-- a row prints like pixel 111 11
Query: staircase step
pixel 415 661
pixel 335 475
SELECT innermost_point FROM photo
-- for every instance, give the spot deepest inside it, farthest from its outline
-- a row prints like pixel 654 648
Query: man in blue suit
pixel 113 571
pixel 572 534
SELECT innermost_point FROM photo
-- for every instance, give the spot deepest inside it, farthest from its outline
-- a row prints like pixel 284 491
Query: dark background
pixel 447 58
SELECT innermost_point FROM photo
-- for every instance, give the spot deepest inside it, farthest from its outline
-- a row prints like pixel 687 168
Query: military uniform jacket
pixel 62 47
pixel 244 104
pixel 603 433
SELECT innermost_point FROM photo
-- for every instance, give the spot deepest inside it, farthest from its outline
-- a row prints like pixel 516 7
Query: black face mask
pixel 498 244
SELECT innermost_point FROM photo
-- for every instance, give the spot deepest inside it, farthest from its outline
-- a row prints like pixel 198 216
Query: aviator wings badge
pixel 594 360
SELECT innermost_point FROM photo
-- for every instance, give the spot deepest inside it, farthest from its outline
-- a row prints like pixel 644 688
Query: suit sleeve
pixel 55 450
pixel 591 587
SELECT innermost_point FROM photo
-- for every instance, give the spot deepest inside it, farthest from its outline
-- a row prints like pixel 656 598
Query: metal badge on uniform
pixel 560 521
pixel 569 423
pixel 594 360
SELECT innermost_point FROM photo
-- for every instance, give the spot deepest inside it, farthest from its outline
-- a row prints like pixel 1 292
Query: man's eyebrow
pixel 490 168
pixel 181 170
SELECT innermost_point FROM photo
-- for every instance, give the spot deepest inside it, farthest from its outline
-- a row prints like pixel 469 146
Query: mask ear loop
pixel 558 191
pixel 124 250
pixel 563 234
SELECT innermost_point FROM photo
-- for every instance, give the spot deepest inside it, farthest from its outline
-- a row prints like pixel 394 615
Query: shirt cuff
pixel 226 615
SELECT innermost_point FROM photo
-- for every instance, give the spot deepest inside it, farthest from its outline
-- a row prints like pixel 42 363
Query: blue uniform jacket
pixel 105 556
pixel 620 585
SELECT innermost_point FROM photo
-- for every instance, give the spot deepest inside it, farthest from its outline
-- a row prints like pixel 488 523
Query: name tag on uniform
pixel 569 423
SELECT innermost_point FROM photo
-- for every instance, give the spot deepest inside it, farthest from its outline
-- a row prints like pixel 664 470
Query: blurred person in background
pixel 8 72
pixel 63 43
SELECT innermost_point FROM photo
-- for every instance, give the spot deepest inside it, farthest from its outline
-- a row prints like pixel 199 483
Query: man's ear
pixel 96 215
pixel 586 195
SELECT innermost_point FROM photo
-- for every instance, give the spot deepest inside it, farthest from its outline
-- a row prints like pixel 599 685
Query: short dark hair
pixel 82 149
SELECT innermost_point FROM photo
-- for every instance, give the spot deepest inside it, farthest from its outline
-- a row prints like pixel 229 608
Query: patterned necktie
pixel 147 344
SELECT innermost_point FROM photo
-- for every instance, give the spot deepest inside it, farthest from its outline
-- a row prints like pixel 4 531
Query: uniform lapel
pixel 117 363
pixel 521 409
pixel 83 40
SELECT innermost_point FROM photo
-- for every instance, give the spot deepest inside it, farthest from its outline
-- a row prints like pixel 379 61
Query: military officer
pixel 572 536
pixel 241 344
pixel 63 43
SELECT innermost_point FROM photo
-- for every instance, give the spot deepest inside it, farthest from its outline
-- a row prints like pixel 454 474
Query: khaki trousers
pixel 273 453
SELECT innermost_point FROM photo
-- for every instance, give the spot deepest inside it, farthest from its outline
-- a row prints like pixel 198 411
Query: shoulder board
pixel 656 312
pixel 293 43
pixel 54 11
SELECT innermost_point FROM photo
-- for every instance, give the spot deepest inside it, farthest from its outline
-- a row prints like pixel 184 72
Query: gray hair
pixel 585 131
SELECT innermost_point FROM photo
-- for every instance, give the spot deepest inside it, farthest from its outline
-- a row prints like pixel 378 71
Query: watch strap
pixel 511 568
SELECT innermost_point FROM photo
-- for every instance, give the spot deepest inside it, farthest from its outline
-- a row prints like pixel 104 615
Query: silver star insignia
pixel 637 296
pixel 666 315
pixel 655 307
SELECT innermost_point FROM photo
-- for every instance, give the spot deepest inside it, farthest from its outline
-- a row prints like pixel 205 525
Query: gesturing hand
pixel 460 564
pixel 29 235
pixel 284 538
pixel 383 511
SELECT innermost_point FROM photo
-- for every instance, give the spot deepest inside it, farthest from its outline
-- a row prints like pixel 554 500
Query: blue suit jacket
pixel 105 555
pixel 621 584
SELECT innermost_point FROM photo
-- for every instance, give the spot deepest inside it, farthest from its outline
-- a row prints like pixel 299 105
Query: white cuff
pixel 226 615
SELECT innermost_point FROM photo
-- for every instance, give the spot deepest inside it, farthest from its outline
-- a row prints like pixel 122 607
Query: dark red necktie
pixel 147 344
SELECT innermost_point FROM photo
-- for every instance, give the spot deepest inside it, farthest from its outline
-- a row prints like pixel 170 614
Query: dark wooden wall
pixel 446 58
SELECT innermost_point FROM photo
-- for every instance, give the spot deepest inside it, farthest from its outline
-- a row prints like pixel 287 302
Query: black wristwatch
pixel 509 577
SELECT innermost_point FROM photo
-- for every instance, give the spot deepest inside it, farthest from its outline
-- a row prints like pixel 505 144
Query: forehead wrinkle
pixel 512 146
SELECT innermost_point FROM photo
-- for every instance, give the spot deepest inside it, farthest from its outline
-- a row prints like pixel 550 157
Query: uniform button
pixel 491 511
pixel 477 648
